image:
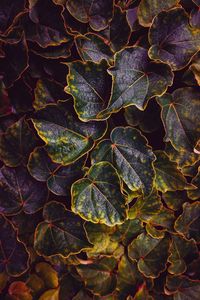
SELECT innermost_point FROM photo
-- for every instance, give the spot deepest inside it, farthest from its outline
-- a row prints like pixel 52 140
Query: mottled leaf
pixel 128 151
pixel 98 198
pixel 195 194
pixel 175 199
pixel 20 192
pixel 61 232
pixel 172 39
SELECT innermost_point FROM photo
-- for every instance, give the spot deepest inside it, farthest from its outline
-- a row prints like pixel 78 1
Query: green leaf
pixel 93 47
pixel 130 154
pixel 195 194
pixel 151 254
pixel 172 39
pixel 66 138
pixel 99 277
pixel 182 252
pixel 96 12
pixel 88 84
pixel 188 222
pixel 148 9
pixel 61 232
pixel 17 143
pixel 175 199
pixel 136 80
pixel 180 111
pixel 98 198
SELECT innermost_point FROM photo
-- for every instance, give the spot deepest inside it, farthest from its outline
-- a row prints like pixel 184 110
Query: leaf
pixel 195 194
pixel 182 252
pixel 58 178
pixel 179 110
pixel 97 13
pixel 67 139
pixel 93 47
pixel 98 198
pixel 61 232
pixel 19 290
pixel 17 143
pixel 69 287
pixel 148 9
pixel 48 274
pixel 188 222
pixel 174 200
pixel 168 177
pixel 182 287
pixel 88 84
pixel 50 295
pixel 130 154
pixel 151 254
pixel 99 277
pixel 172 39
pixel 135 80
pixel 14 257
pixel 127 231
pixel 20 192
pixel 194 17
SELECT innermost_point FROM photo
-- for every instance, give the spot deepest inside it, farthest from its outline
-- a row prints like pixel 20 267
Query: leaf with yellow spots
pixel 98 197
pixel 150 253
pixel 130 154
pixel 172 39
pixel 60 233
pixel 88 82
pixel 136 79
pixel 67 138
pixel 168 176
pixel 99 277
pixel 181 118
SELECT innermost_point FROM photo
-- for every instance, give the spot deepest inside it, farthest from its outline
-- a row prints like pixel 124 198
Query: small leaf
pixel 98 198
pixel 50 295
pixel 195 194
pixel 19 290
pixel 17 143
pixel 175 199
pixel 180 111
pixel 48 274
pixel 99 277
pixel 172 39
pixel 61 233
pixel 151 254
pixel 130 154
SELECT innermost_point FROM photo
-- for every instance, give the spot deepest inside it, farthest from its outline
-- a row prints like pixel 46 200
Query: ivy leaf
pixel 98 198
pixel 14 257
pixel 20 191
pixel 182 287
pixel 168 177
pixel 172 39
pixel 136 80
pixel 17 143
pixel 195 194
pixel 96 12
pixel 61 232
pixel 174 200
pixel 188 222
pixel 148 9
pixel 67 139
pixel 99 277
pixel 151 254
pixel 93 47
pixel 180 111
pixel 58 178
pixel 88 84
pixel 182 252
pixel 128 151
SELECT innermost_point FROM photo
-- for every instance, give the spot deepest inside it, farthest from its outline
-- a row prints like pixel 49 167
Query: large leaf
pixel 19 191
pixel 151 254
pixel 148 9
pixel 168 176
pixel 88 84
pixel 96 12
pixel 188 222
pixel 136 79
pixel 61 232
pixel 58 178
pixel 99 277
pixel 17 143
pixel 128 151
pixel 66 138
pixel 173 40
pixel 98 198
pixel 13 254
pixel 180 111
